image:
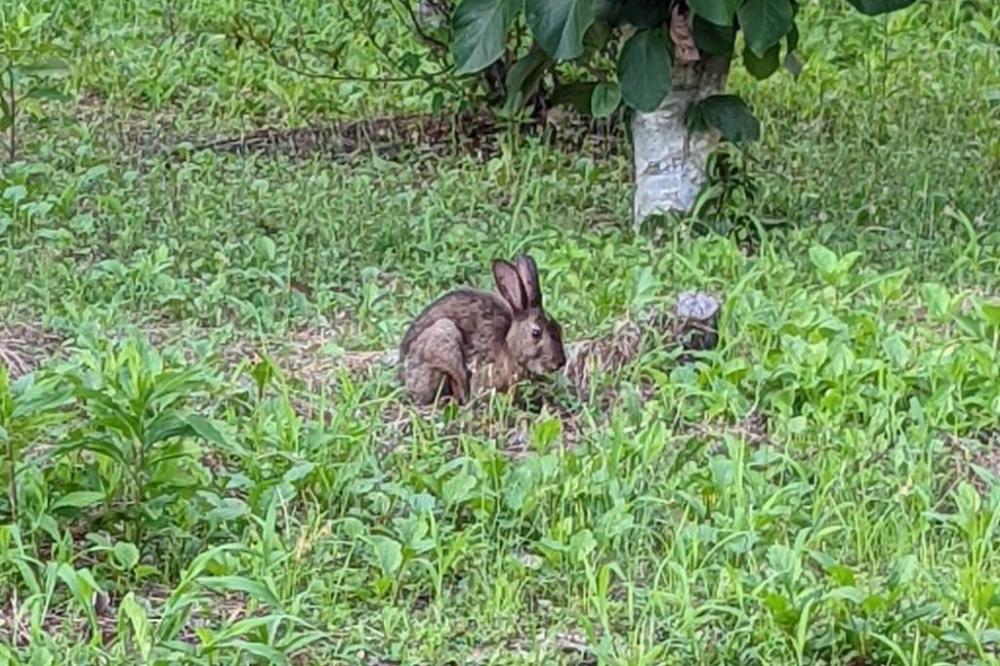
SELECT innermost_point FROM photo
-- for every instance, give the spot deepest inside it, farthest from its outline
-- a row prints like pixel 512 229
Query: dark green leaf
pixel 43 399
pixel 876 7
pixel 644 70
pixel 389 554
pixel 764 66
pixel 523 78
pixel 605 99
pixel 765 22
pixel 126 554
pixel 252 588
pixel 299 472
pixel 230 508
pixel 991 313
pixel 51 66
pixel 713 39
pixel 597 37
pixel 719 12
pixel 824 259
pixel 205 429
pixel 79 499
pixel 171 451
pixel 94 445
pixel 731 116
pixel 479 32
pixel 792 38
pixel 559 25
pixel 575 95
pixel 639 13
pixel 165 426
pixel 262 650
pixel 50 94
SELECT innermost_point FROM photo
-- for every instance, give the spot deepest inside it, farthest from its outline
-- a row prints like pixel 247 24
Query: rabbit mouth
pixel 541 367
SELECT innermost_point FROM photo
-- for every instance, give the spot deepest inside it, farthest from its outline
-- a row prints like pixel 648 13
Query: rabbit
pixel 469 340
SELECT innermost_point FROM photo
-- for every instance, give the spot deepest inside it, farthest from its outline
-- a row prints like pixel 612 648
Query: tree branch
pixel 266 46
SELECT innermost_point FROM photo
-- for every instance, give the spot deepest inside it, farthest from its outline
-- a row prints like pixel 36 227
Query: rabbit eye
pixel 536 332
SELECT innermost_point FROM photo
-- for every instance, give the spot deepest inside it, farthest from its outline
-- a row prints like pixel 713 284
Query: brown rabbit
pixel 468 340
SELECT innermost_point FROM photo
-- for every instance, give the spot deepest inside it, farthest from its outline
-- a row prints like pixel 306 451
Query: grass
pixel 197 477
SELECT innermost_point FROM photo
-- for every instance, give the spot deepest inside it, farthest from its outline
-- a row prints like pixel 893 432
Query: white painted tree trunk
pixel 669 162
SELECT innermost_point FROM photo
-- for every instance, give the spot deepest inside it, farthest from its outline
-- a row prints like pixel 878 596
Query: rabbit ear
pixel 509 284
pixel 528 272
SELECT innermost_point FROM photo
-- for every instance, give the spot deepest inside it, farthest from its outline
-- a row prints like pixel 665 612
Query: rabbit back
pixel 482 318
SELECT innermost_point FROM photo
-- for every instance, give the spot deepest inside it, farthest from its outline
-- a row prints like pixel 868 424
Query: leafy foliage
pixel 480 29
pixel 28 64
pixel 581 31
pixel 728 114
pixel 644 69
pixel 812 491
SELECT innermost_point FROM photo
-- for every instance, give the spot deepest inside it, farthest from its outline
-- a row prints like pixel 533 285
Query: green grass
pixel 816 490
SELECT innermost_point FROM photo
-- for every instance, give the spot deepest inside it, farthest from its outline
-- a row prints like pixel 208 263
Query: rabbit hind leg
pixel 435 367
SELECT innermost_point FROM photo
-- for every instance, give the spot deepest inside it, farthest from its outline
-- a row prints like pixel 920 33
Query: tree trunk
pixel 669 162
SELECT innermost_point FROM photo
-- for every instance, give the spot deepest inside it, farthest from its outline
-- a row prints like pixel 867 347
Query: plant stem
pixel 12 488
pixel 12 130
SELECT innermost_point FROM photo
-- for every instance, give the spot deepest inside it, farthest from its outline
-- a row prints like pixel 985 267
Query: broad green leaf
pixel 48 94
pixel 605 99
pixel 458 488
pixel 77 583
pixel 79 499
pixel 43 400
pixel 731 116
pixel 250 587
pixel 937 300
pixel 823 259
pixel 713 39
pixel 230 508
pixel 523 78
pixel 903 571
pixel 991 313
pixel 126 554
pixel 15 193
pixel 298 472
pixel 582 544
pixel 389 554
pixel 638 13
pixel 131 610
pixel 764 23
pixel 261 650
pixel 896 350
pixel 792 38
pixel 644 70
pixel 559 25
pixel 165 426
pixel 762 67
pixel 50 66
pixel 719 12
pixel 205 429
pixel 94 445
pixel 846 593
pixel 479 32
pixel 876 7
pixel 576 95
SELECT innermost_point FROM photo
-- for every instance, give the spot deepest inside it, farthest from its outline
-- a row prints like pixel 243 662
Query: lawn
pixel 206 458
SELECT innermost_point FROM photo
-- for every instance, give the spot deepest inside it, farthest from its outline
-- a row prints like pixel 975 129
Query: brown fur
pixel 470 339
